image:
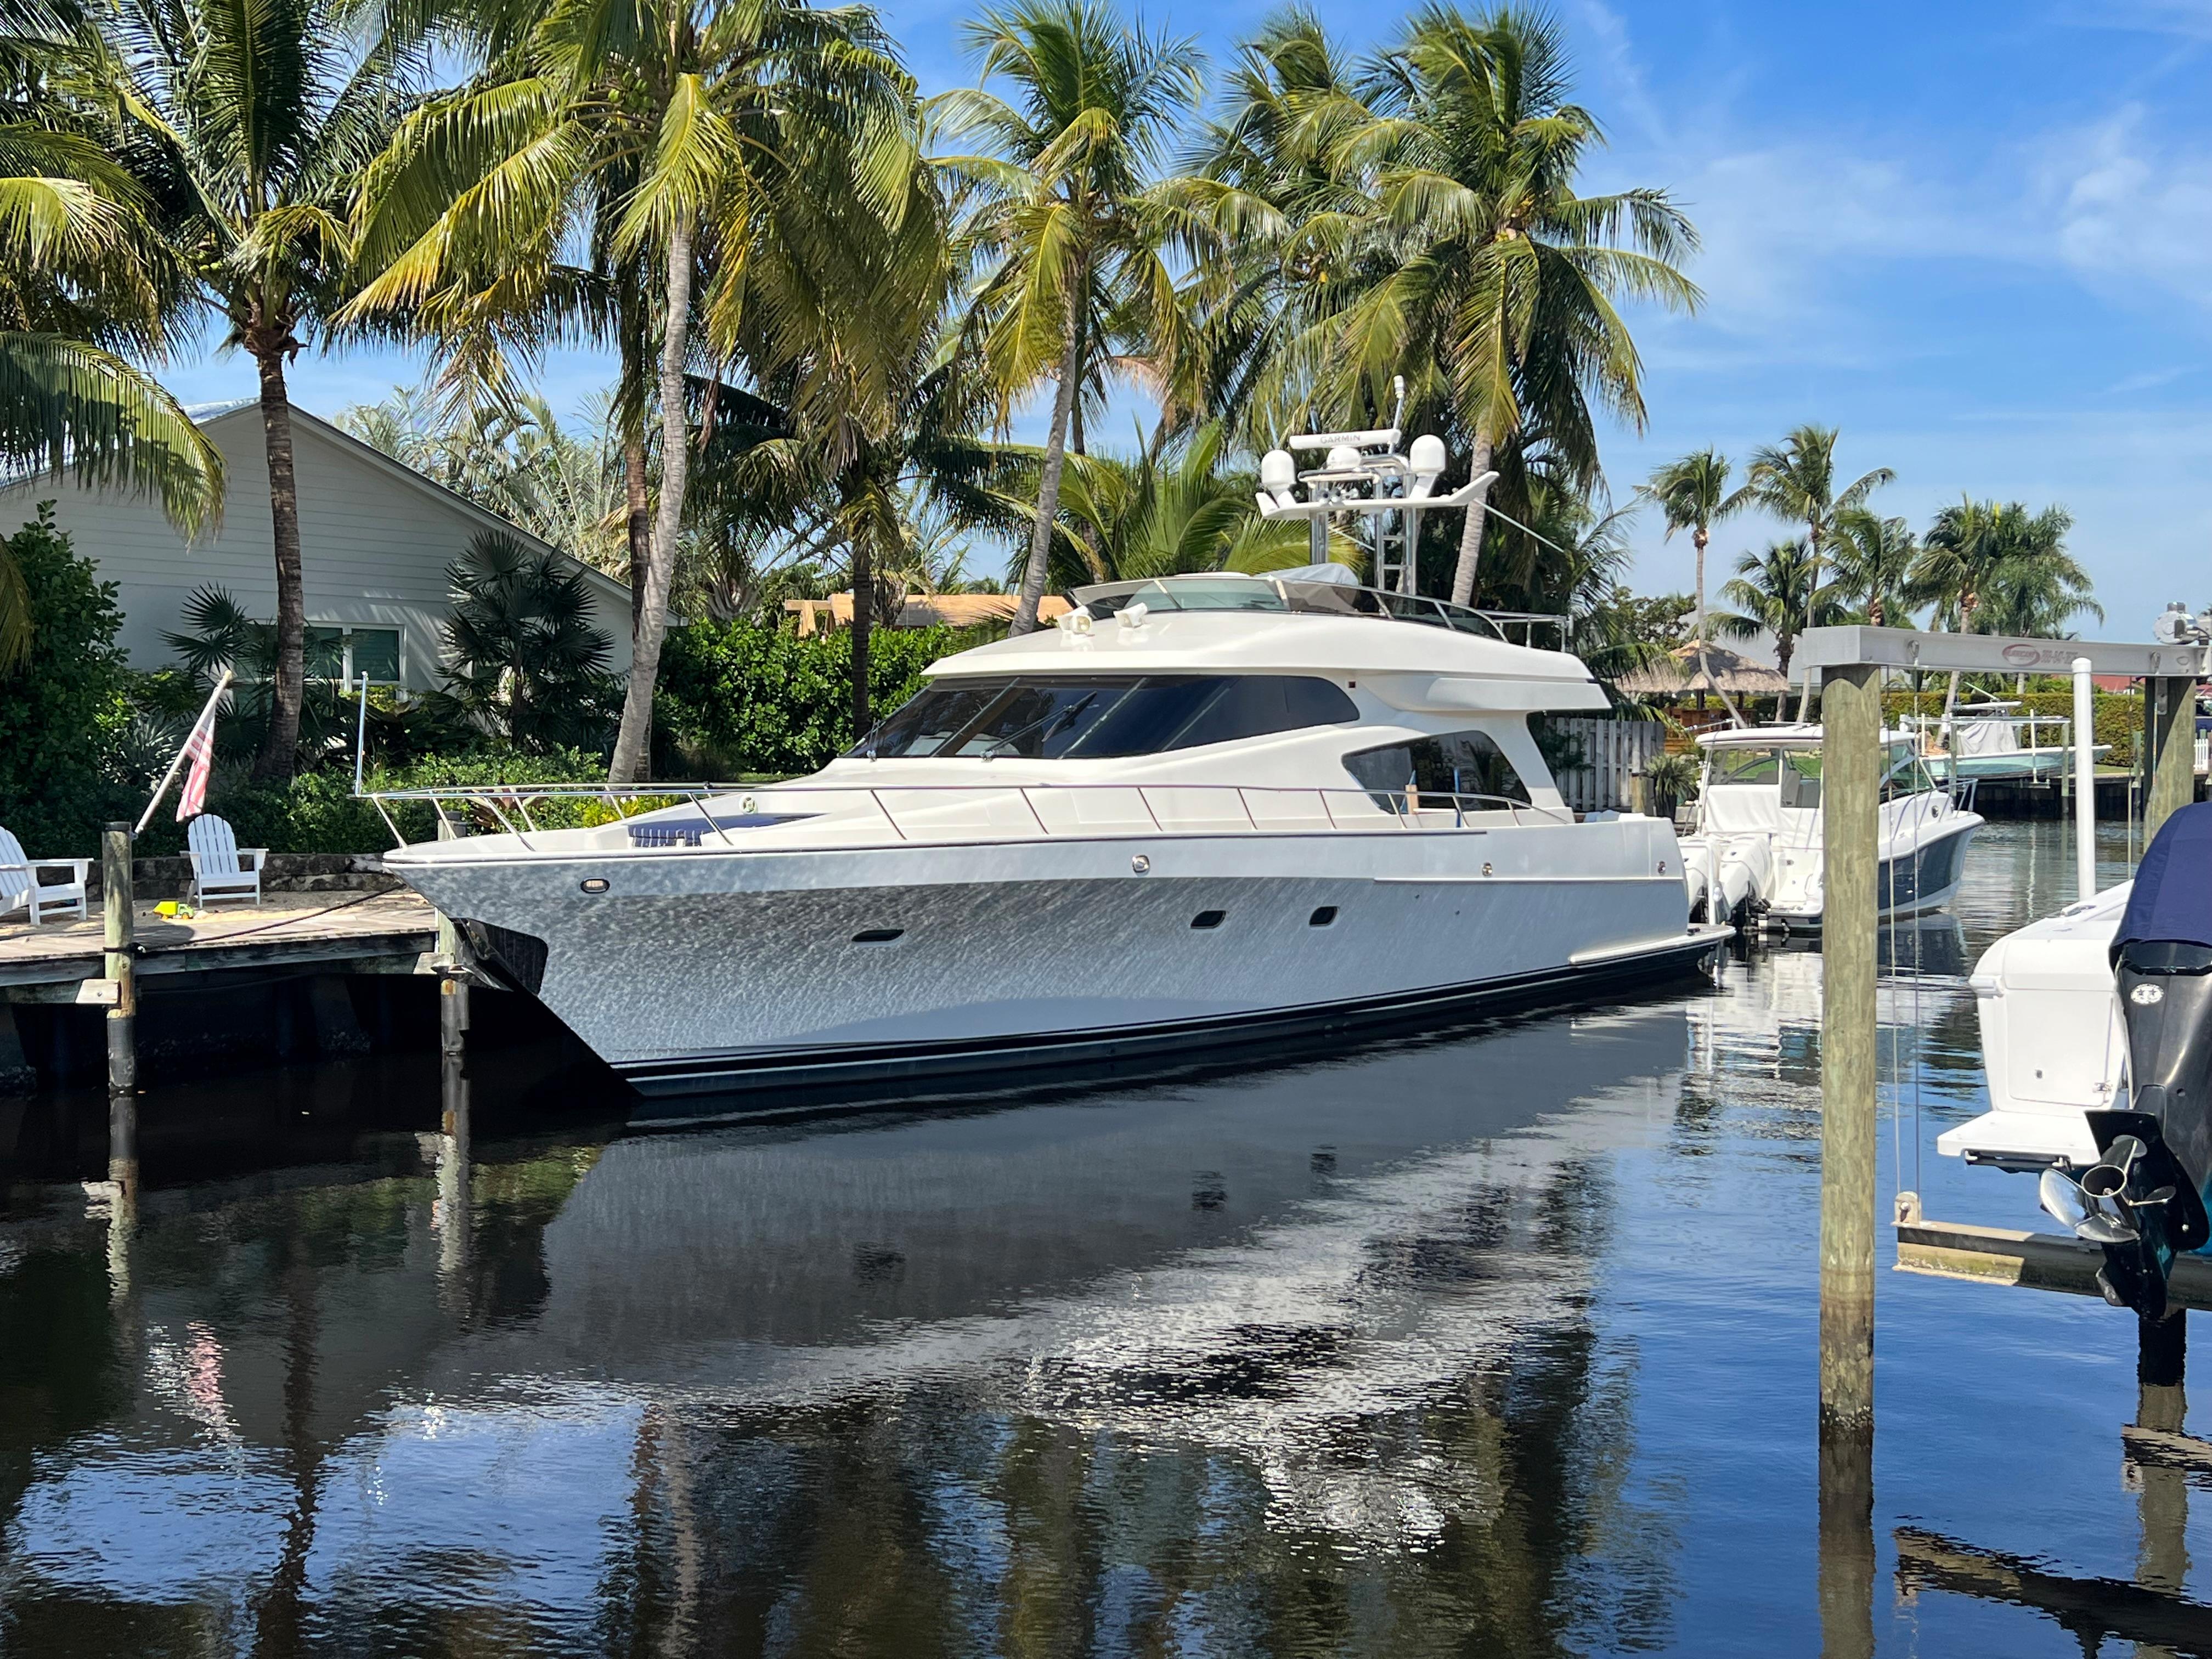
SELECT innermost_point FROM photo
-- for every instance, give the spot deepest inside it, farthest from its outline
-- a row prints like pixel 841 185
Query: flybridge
pixel 1328 590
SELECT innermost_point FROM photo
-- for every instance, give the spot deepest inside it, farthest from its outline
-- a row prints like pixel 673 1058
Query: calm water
pixel 1499 1343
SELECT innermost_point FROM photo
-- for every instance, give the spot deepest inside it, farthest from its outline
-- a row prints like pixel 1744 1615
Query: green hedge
pixel 737 699
pixel 316 812
pixel 60 710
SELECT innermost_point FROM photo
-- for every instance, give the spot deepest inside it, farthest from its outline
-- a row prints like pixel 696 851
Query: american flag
pixel 199 749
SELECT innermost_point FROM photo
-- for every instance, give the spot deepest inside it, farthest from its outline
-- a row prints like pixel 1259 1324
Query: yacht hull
pixel 701 972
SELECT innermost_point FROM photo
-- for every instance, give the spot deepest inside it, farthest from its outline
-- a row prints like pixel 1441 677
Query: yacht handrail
pixel 1406 809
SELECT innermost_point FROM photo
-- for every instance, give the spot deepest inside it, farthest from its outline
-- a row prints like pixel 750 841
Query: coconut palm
pixel 250 127
pixel 1873 559
pixel 86 285
pixel 1262 183
pixel 1068 162
pixel 1482 275
pixel 1796 482
pixel 1693 493
pixel 1174 508
pixel 1995 567
pixel 665 134
pixel 1776 592
pixel 2038 587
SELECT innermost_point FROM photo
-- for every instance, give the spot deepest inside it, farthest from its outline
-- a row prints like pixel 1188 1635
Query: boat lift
pixel 1852 663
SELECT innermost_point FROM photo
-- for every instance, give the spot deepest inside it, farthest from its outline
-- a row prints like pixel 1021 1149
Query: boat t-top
pixel 1757 855
pixel 1200 809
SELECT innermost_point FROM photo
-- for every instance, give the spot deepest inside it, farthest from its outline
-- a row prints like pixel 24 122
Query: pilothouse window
pixel 1456 763
pixel 1100 718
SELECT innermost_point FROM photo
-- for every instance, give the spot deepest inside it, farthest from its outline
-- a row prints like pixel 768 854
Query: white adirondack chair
pixel 221 868
pixel 22 888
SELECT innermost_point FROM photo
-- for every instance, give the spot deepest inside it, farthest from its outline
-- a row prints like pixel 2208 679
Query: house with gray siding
pixel 375 538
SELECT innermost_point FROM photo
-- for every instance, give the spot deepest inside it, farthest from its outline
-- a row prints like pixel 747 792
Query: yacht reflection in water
pixel 1299 1359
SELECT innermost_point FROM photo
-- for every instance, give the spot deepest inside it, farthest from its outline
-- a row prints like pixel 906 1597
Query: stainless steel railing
pixel 927 812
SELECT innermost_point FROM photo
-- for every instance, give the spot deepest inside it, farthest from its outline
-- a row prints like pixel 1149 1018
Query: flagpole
pixel 361 734
pixel 170 776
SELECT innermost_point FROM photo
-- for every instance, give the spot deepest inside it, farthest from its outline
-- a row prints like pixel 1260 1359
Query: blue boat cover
pixel 2172 895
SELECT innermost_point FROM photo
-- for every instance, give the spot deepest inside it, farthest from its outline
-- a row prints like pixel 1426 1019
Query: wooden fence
pixel 1614 752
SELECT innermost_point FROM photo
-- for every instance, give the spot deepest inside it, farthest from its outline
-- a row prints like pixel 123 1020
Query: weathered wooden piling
pixel 1851 716
pixel 453 1019
pixel 118 939
pixel 2170 744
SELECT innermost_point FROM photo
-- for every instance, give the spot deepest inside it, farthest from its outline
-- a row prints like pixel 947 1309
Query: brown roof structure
pixel 925 610
pixel 1680 675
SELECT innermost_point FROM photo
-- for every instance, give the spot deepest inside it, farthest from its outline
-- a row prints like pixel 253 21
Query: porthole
pixel 1206 919
pixel 877 935
pixel 596 885
pixel 1322 917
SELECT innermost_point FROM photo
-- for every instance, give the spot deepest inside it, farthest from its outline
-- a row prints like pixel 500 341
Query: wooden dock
pixel 320 932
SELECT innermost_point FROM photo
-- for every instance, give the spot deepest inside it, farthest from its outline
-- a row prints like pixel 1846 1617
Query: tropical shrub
pixel 526 661
pixel 61 707
pixel 317 811
pixel 738 699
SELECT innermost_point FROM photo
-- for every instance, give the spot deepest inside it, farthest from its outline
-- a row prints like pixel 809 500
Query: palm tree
pixel 524 657
pixel 1775 593
pixel 1067 163
pixel 1873 559
pixel 1796 481
pixel 666 133
pixel 1482 274
pixel 2038 587
pixel 250 126
pixel 1693 495
pixel 86 285
pixel 1172 509
pixel 1995 567
pixel 1261 184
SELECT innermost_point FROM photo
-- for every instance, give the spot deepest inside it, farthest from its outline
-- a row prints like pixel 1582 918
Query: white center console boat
pixel 1758 855
pixel 2097 1034
pixel 1200 808
pixel 1997 740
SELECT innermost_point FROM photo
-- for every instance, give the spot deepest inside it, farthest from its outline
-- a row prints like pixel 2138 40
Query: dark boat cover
pixel 2172 895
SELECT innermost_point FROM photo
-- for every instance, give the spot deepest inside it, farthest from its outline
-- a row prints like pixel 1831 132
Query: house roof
pixel 926 610
pixel 1680 675
pixel 209 415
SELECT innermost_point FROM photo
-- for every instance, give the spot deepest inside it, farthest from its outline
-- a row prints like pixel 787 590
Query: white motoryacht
pixel 1757 851
pixel 1199 808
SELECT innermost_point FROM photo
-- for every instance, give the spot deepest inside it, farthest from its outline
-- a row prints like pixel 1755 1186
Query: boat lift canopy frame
pixel 1851 662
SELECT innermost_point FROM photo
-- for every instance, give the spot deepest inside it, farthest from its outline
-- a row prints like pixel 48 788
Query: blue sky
pixel 1978 238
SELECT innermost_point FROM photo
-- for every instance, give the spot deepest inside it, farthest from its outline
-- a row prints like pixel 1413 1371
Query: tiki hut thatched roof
pixel 1678 675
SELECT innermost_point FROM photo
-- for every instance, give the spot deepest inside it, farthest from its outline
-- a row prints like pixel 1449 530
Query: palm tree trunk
pixel 639 525
pixel 1055 459
pixel 1812 602
pixel 280 744
pixel 1470 535
pixel 631 742
pixel 864 617
pixel 1697 539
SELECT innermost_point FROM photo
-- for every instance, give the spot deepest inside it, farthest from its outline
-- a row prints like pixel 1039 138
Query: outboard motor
pixel 2145 1201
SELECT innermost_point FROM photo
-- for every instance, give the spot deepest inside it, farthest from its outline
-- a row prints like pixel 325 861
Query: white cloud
pixel 2124 210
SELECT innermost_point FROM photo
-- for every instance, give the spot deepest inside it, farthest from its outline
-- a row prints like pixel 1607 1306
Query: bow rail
pixel 656 816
